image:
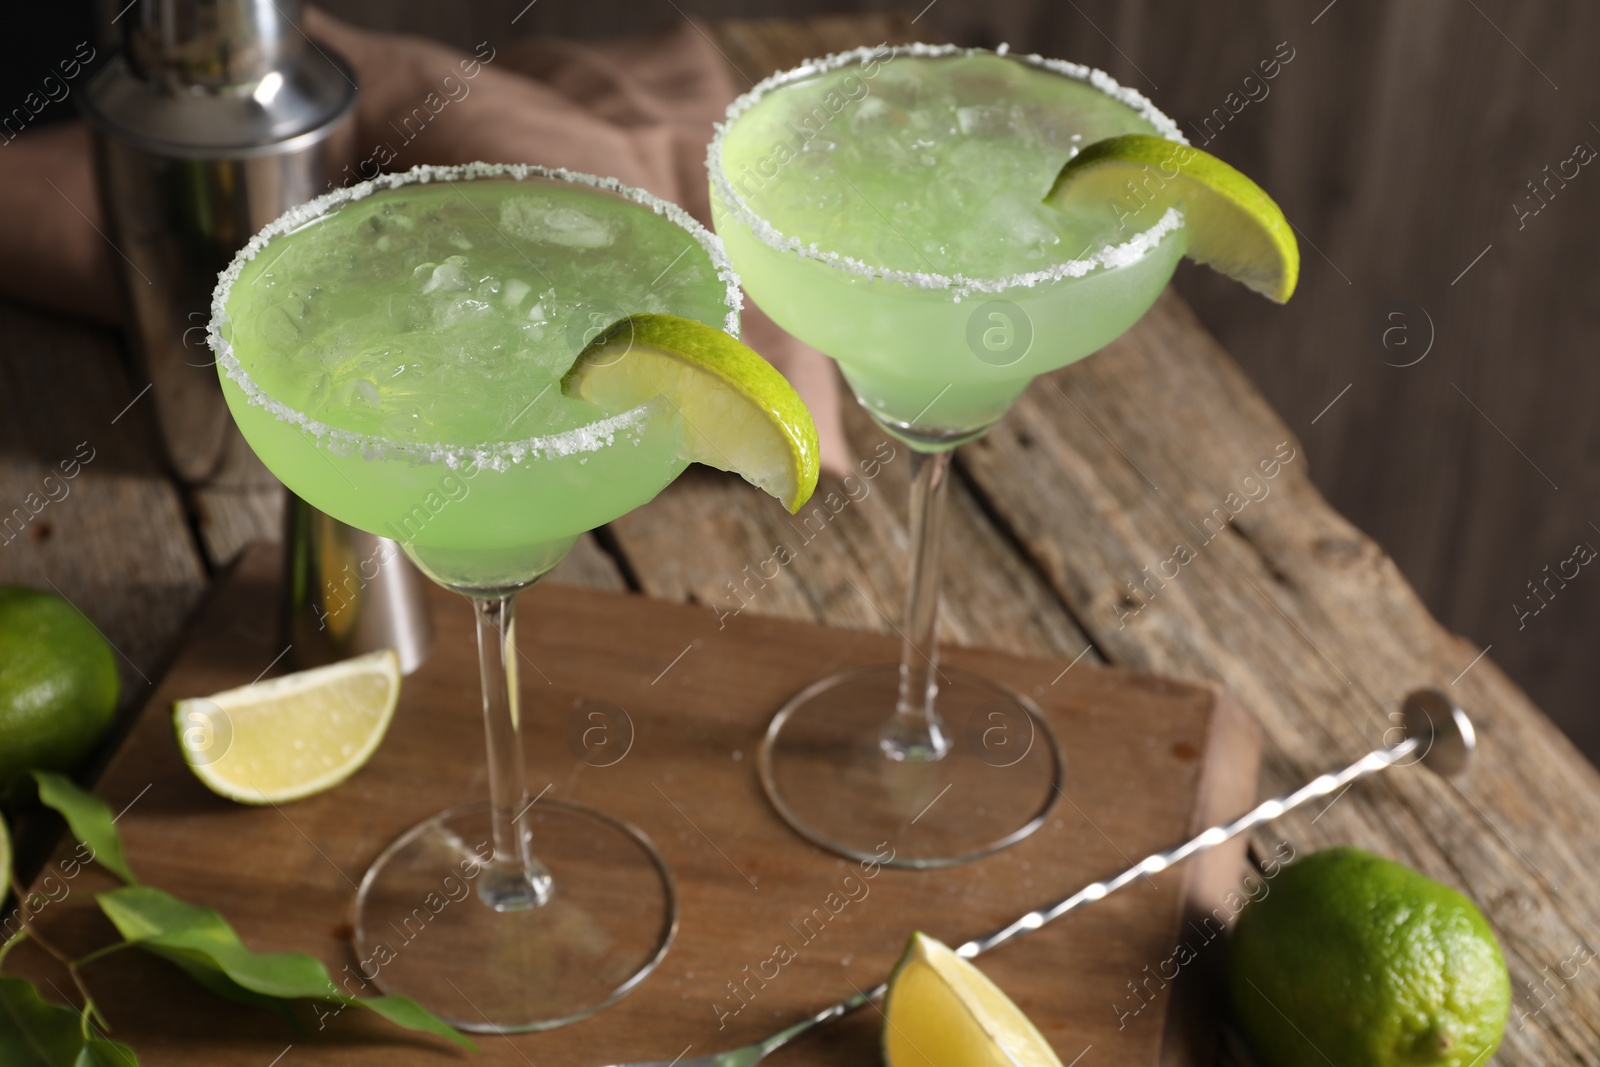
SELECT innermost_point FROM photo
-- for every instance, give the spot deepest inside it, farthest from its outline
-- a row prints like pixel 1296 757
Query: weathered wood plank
pixel 841 561
pixel 85 508
pixel 1309 624
pixel 589 564
pixel 241 504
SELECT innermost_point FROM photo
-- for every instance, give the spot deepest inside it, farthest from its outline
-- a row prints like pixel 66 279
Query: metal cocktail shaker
pixel 218 116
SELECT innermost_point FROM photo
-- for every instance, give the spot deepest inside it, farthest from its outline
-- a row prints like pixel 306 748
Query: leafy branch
pixel 35 1032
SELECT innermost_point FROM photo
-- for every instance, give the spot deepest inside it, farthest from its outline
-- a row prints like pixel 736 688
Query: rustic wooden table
pixel 1086 525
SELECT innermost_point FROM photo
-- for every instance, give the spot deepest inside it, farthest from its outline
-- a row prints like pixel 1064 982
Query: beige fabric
pixel 637 109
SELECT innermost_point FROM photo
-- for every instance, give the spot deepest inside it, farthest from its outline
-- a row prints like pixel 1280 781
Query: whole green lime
pixel 1352 960
pixel 58 684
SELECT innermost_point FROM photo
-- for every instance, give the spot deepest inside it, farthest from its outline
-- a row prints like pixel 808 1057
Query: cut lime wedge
pixel 290 737
pixel 941 1011
pixel 5 857
pixel 739 414
pixel 1232 225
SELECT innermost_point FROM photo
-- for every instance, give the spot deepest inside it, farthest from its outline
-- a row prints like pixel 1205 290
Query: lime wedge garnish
pixel 5 857
pixel 290 737
pixel 1232 225
pixel 739 414
pixel 941 1011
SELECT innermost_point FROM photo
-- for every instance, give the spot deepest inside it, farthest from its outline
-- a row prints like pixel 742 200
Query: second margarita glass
pixel 886 206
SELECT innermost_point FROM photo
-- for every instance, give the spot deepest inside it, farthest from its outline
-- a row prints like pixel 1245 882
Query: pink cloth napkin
pixel 637 109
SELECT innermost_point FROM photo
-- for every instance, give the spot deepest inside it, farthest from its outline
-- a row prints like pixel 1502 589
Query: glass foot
pixel 425 926
pixel 826 771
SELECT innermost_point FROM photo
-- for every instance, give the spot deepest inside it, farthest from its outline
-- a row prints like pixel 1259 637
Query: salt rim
pixel 1129 252
pixel 497 455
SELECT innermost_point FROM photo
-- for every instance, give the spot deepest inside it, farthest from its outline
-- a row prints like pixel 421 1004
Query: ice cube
pixel 364 391
pixel 982 121
pixel 281 324
pixel 448 277
pixel 573 228
pixel 537 218
pixel 1017 223
pixel 514 292
pixel 871 114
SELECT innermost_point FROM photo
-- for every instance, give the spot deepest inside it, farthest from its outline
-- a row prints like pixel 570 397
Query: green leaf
pixel 34 1032
pixel 100 1053
pixel 403 1011
pixel 89 819
pixel 206 975
pixel 201 942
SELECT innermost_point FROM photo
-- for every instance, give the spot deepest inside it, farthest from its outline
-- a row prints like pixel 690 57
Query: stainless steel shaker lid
pixel 207 78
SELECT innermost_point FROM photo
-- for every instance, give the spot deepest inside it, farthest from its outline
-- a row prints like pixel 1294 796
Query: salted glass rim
pixel 1120 255
pixel 493 455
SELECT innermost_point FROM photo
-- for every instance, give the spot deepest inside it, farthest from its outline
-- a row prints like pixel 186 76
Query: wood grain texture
pixel 1400 141
pixel 111 537
pixel 241 504
pixel 847 556
pixel 1310 624
pixel 1148 757
pixel 1307 620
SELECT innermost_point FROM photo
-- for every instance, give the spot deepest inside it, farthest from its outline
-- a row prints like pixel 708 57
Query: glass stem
pixel 916 733
pixel 515 880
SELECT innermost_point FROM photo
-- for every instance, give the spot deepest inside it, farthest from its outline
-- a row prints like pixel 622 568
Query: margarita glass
pixel 887 207
pixel 394 353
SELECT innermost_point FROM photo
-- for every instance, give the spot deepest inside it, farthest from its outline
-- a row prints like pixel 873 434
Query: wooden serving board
pixel 1149 761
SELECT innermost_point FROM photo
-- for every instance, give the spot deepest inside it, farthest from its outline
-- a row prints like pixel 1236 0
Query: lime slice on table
pixel 739 414
pixel 941 1011
pixel 290 737
pixel 1232 225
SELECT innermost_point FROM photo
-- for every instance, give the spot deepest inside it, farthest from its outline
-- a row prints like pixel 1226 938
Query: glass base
pixel 825 771
pixel 424 929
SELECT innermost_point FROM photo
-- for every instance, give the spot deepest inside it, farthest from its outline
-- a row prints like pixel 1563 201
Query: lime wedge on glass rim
pixel 739 414
pixel 290 737
pixel 1232 225
pixel 941 1011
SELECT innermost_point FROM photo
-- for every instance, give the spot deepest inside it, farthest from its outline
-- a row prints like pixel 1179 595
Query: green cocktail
pixel 889 207
pixel 410 347
pixel 413 356
pixel 890 211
